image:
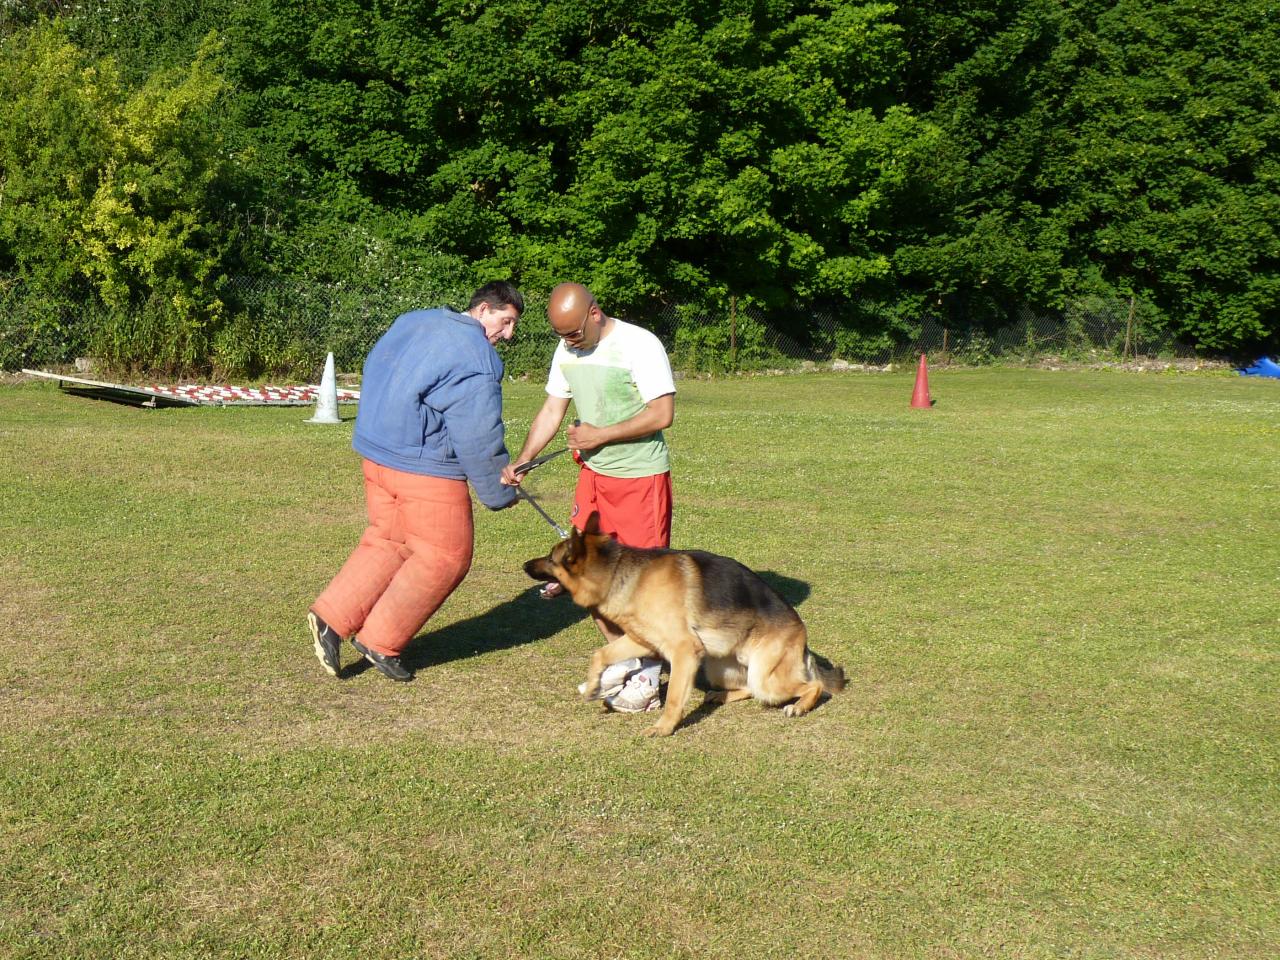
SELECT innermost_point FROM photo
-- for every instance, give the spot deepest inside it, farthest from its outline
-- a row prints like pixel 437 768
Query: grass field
pixel 1056 594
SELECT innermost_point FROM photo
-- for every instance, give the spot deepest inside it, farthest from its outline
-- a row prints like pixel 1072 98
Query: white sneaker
pixel 613 677
pixel 640 692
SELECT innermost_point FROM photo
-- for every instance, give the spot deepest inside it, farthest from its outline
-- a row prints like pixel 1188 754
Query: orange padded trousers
pixel 414 552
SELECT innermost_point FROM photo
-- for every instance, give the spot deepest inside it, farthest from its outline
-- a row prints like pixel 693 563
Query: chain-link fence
pixel 749 339
pixel 285 328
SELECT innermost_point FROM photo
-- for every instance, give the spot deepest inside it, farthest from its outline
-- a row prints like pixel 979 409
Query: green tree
pixel 149 235
pixel 1118 148
pixel 989 75
pixel 1169 173
pixel 53 143
pixel 743 154
pixel 672 151
pixel 116 188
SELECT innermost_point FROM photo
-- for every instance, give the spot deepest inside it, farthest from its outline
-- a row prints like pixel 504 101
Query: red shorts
pixel 635 511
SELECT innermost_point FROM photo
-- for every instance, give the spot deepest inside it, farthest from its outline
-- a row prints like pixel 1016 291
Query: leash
pixel 521 494
pixel 528 465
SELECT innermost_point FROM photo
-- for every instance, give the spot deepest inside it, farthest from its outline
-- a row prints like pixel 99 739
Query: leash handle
pixel 528 465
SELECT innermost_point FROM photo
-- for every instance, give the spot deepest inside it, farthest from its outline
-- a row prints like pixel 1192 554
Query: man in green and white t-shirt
pixel 619 379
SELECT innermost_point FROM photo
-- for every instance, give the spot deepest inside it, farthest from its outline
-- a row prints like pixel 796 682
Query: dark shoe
pixel 328 644
pixel 389 666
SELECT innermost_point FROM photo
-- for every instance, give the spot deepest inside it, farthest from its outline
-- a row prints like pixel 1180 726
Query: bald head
pixel 569 301
pixel 575 317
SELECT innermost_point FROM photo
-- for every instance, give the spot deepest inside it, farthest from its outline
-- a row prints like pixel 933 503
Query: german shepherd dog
pixel 691 608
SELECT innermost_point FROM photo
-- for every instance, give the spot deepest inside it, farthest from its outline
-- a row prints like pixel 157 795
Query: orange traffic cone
pixel 920 396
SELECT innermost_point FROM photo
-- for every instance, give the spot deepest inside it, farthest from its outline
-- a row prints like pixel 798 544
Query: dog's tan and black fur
pixel 691 608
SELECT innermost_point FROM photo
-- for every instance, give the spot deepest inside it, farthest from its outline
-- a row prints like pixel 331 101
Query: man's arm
pixel 546 424
pixel 657 414
pixel 472 413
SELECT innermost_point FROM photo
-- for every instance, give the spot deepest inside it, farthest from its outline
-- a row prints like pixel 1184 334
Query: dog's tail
pixel 820 668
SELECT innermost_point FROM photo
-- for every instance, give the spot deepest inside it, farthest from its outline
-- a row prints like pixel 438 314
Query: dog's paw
pixel 657 730
pixel 589 690
pixel 793 710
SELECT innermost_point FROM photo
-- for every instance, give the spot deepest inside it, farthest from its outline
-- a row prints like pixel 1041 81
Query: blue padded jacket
pixel 431 402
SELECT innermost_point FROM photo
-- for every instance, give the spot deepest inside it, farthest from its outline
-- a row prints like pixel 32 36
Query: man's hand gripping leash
pixel 522 494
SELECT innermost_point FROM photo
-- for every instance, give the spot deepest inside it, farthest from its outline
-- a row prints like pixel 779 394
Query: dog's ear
pixel 593 523
pixel 575 546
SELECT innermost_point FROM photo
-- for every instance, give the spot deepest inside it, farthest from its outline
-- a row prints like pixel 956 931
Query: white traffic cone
pixel 327 396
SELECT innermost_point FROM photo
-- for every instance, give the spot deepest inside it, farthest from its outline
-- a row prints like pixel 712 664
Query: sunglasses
pixel 577 334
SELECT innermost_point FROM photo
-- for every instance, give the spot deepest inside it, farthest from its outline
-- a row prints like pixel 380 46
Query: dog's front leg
pixel 623 648
pixel 684 666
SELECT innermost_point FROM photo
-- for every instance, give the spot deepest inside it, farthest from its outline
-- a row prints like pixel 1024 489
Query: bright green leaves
pixel 146 226
pixel 685 151
pixel 55 136
pixel 729 133
pixel 1172 132
pixel 976 156
pixel 115 187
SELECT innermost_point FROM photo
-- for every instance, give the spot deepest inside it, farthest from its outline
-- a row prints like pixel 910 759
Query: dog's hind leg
pixel 777 672
pixel 727 679
pixel 810 694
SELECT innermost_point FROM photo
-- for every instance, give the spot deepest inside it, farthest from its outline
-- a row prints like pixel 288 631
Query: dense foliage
pixel 1121 147
pixel 960 157
pixel 114 187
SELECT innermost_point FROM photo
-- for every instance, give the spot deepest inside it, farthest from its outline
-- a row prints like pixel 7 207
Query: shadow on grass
pixel 794 591
pixel 523 619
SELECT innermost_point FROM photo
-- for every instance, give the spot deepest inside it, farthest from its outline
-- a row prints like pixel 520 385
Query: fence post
pixel 733 331
pixel 1128 332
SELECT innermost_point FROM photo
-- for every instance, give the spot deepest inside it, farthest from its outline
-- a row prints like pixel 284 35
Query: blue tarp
pixel 1262 367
